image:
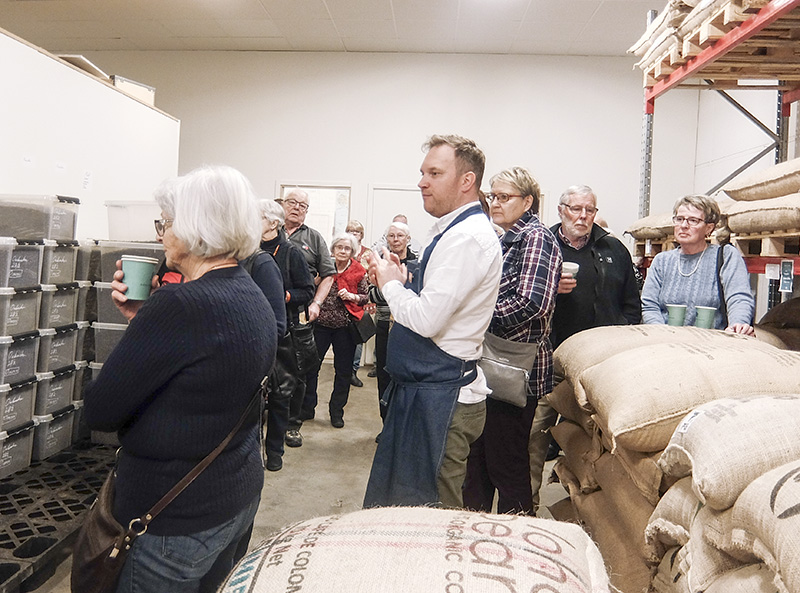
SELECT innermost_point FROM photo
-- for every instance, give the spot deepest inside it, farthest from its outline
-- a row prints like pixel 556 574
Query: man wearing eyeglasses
pixel 604 292
pixel 315 250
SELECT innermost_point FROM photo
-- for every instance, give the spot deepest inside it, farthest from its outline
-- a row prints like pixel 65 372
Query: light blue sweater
pixel 670 280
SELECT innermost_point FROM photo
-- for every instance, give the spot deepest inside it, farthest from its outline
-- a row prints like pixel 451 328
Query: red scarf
pixel 349 280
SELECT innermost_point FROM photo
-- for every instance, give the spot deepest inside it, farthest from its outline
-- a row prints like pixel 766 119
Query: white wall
pixel 359 120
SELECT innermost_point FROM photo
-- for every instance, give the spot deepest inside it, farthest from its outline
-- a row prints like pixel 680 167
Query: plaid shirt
pixel 527 297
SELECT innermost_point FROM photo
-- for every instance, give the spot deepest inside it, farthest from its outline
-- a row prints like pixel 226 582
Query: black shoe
pixel 274 463
pixel 378 438
pixel 373 373
pixel 355 381
pixel 337 422
pixel 293 438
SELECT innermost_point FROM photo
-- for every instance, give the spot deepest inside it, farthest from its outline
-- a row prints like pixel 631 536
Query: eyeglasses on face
pixel 590 210
pixel 502 198
pixel 690 220
pixel 162 224
pixel 295 204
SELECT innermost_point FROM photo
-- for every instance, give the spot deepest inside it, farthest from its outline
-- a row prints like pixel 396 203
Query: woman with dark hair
pixel 697 273
pixel 498 460
pixel 186 369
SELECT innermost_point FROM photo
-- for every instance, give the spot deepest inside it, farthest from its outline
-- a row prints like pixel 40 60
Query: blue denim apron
pixel 422 398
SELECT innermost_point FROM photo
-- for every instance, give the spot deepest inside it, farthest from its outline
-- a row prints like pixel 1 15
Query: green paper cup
pixel 676 314
pixel 705 317
pixel 139 272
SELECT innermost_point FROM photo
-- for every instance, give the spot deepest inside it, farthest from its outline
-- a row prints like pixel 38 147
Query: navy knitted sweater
pixel 175 385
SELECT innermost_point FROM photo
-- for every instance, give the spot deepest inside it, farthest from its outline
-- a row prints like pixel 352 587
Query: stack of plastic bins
pixel 52 433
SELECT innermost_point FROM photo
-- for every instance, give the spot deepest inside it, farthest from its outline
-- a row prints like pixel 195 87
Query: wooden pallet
pixel 690 41
pixel 652 247
pixel 780 244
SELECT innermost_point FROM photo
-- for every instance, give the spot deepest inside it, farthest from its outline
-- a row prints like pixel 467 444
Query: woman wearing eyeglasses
pixel 498 460
pixel 187 367
pixel 698 274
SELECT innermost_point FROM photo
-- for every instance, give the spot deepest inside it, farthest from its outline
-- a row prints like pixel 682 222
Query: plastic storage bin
pixel 87 261
pixel 94 370
pixel 132 221
pixel 59 304
pixel 54 390
pixel 107 311
pixel 111 251
pixel 16 447
pixel 79 431
pixel 106 337
pixel 81 369
pixel 16 404
pixel 86 305
pixel 38 217
pixel 52 433
pixel 20 263
pixel 58 261
pixel 18 355
pixel 19 310
pixel 57 347
pixel 80 340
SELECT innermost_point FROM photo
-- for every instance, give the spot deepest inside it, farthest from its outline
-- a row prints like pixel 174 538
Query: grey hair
pixel 577 190
pixel 706 204
pixel 214 212
pixel 296 192
pixel 523 181
pixel 272 210
pixel 351 240
pixel 400 226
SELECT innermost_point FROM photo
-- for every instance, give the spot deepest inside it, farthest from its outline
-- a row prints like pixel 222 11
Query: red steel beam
pixel 765 17
pixel 787 99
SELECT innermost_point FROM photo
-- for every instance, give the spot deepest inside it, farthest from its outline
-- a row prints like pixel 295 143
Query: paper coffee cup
pixel 705 317
pixel 676 314
pixel 138 275
pixel 569 267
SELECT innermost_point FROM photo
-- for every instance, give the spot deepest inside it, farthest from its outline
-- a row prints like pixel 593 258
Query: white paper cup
pixel 569 267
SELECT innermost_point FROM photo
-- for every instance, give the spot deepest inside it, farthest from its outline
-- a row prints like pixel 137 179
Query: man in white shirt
pixel 437 395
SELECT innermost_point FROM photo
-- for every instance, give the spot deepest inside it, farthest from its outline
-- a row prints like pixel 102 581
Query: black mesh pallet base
pixel 41 509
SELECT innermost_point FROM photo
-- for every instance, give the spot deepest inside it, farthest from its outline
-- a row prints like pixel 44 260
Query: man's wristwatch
pixel 317 303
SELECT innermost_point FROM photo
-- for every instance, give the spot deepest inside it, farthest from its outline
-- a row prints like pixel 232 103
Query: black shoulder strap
pixel 248 262
pixel 722 306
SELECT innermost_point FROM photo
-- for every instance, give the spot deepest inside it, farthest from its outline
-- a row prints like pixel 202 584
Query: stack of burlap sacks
pixel 627 390
pixel 767 201
pixel 680 19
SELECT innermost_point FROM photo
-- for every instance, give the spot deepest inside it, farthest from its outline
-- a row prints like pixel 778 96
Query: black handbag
pixel 362 329
pixel 507 365
pixel 305 348
pixel 103 544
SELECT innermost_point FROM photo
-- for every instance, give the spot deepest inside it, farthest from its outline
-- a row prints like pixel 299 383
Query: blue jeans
pixel 196 563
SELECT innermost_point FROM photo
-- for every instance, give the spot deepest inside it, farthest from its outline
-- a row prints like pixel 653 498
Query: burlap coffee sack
pixel 764 216
pixel 703 563
pixel 669 577
pixel 751 578
pixel 655 226
pixel 643 470
pixel 726 444
pixel 563 401
pixel 785 338
pixel 579 454
pixel 765 523
pixel 629 506
pixel 593 346
pixel 671 520
pixel 626 568
pixel 784 315
pixel 779 180
pixel 642 394
pixel 401 549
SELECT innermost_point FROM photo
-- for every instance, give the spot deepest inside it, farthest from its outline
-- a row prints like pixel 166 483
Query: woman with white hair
pixel 344 303
pixel 186 369
pixel 287 381
pixel 398 238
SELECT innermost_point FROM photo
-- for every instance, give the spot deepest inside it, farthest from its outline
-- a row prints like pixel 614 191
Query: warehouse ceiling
pixel 551 27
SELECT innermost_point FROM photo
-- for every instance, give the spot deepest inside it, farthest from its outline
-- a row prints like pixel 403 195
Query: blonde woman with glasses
pixel 699 274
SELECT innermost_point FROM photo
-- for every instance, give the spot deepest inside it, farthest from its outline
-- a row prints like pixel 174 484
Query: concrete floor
pixel 327 475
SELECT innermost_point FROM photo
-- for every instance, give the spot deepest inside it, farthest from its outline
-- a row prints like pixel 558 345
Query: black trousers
pixel 344 347
pixel 282 384
pixel 381 341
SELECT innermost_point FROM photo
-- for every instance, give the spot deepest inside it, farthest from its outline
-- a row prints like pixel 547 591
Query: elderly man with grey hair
pixel 604 292
pixel 312 244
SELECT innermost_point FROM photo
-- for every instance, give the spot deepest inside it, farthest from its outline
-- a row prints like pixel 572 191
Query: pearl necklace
pixel 696 265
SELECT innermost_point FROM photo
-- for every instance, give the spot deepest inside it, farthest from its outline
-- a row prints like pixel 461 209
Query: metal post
pixel 646 165
pixel 782 126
